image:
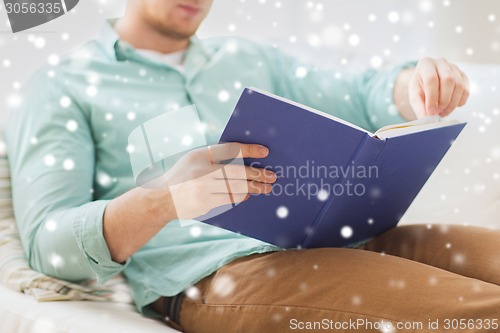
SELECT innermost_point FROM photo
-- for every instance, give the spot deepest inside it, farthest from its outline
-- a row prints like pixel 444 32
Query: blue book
pixel 338 184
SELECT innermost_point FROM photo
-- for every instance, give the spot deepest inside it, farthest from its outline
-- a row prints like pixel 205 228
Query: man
pixel 81 215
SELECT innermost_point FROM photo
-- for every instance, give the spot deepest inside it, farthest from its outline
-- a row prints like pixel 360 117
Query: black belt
pixel 172 307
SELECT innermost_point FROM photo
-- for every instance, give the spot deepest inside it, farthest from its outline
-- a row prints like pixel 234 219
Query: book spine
pixel 330 196
pixel 326 222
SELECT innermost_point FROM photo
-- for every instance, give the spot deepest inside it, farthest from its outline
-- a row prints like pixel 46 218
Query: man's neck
pixel 133 31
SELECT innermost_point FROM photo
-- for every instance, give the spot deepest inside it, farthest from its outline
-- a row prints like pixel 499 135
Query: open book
pixel 338 184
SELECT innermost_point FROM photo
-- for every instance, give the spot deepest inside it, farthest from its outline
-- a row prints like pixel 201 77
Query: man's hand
pixel 196 183
pixel 433 87
pixel 200 181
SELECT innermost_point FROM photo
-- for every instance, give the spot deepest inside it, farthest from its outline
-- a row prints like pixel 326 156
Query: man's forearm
pixel 133 218
pixel 401 95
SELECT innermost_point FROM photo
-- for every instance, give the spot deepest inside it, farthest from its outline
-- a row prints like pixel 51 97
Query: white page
pixel 415 126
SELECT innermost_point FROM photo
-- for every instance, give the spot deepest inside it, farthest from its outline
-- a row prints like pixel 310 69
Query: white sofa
pixel 20 313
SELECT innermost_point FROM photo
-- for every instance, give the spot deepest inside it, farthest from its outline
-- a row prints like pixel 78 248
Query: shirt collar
pixel 197 53
pixel 108 38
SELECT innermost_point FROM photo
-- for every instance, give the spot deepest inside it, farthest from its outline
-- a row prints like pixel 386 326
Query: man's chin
pixel 178 34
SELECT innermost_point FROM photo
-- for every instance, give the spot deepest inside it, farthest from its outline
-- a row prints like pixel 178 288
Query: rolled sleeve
pixel 380 106
pixel 90 238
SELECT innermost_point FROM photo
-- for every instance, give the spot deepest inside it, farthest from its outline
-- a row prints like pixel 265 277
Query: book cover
pixel 338 184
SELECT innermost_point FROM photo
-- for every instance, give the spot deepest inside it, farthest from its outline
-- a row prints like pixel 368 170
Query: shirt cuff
pixel 382 109
pixel 89 235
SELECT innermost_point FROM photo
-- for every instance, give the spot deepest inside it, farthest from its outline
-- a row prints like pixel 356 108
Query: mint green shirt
pixel 67 147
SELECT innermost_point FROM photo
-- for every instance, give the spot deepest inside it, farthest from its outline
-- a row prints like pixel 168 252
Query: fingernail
pixel 432 110
pixel 263 150
pixel 271 176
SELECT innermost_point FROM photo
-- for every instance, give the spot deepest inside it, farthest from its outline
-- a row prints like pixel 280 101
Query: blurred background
pixel 347 34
